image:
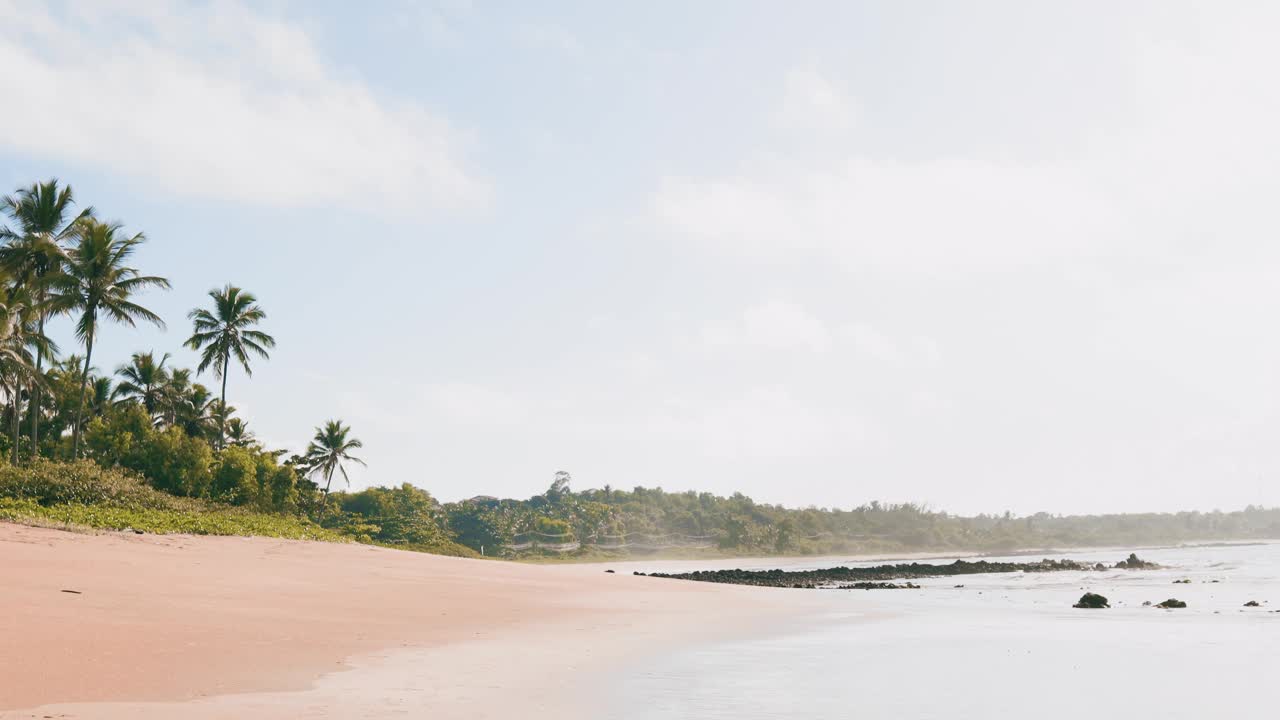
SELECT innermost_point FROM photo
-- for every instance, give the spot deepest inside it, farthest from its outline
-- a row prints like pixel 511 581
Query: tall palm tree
pixel 98 284
pixel 14 359
pixel 19 340
pixel 33 252
pixel 329 449
pixel 143 381
pixel 227 331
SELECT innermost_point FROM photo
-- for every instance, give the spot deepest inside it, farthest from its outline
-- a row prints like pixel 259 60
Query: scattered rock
pixel 73 592
pixel 1183 581
pixel 637 572
pixel 609 571
pixel 1253 603
pixel 1092 601
pixel 1146 603
pixel 1171 603
pixel 959 586
pixel 877 586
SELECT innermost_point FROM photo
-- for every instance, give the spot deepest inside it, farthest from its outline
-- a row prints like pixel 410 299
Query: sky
pixel 985 256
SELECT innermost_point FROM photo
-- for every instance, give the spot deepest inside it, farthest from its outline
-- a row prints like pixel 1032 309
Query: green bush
pixel 83 483
pixel 236 479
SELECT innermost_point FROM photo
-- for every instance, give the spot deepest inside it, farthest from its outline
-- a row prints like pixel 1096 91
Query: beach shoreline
pixel 212 627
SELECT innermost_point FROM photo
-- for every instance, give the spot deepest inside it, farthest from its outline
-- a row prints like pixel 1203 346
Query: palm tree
pixel 194 413
pixel 144 381
pixel 238 433
pixel 100 392
pixel 329 449
pixel 220 416
pixel 227 331
pixel 34 252
pixel 98 284
pixel 173 395
pixel 14 358
pixel 18 338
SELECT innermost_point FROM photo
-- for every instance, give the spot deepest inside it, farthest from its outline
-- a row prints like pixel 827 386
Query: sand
pixel 214 627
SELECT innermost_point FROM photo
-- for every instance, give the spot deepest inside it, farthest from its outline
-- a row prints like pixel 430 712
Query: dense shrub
pixel 82 483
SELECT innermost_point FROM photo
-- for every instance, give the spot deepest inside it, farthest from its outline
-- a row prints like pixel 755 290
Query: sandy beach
pixel 141 626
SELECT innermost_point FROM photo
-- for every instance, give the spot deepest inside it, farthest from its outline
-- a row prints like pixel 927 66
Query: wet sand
pixel 214 627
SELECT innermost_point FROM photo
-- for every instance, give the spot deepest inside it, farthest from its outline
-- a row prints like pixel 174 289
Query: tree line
pixel 147 416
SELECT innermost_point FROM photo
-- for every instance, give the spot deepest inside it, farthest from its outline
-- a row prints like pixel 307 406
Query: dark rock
pixel 1253 603
pixel 1146 603
pixel 1184 581
pixel 879 586
pixel 1092 601
pixel 73 592
pixel 1134 563
pixel 637 572
pixel 841 576
pixel 1171 603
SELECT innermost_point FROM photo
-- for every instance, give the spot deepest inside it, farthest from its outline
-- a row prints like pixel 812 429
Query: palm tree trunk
pixel 34 405
pixel 84 383
pixel 13 422
pixel 222 419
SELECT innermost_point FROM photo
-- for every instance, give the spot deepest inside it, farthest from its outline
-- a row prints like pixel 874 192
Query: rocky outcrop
pixel 839 577
pixel 1171 603
pixel 1133 562
pixel 1092 601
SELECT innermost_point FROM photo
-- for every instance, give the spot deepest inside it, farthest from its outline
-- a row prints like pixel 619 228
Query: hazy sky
pixel 988 256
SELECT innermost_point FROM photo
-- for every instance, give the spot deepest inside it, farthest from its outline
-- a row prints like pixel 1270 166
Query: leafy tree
pixel 228 331
pixel 329 450
pixel 34 252
pixel 480 525
pixel 402 515
pixel 236 478
pixel 98 284
pixel 174 462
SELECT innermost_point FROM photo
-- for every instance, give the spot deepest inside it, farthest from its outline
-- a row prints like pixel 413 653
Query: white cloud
pixel 473 404
pixel 219 101
pixel 773 324
pixel 549 37
pixel 813 103
pixel 943 214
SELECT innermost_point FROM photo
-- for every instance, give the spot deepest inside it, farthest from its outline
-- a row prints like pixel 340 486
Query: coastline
pixel 203 627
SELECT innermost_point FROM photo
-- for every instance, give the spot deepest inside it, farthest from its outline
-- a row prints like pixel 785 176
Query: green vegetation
pixel 153 450
pixel 84 494
pixel 611 522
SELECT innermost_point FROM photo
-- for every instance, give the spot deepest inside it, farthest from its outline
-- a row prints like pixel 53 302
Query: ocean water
pixel 1002 646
